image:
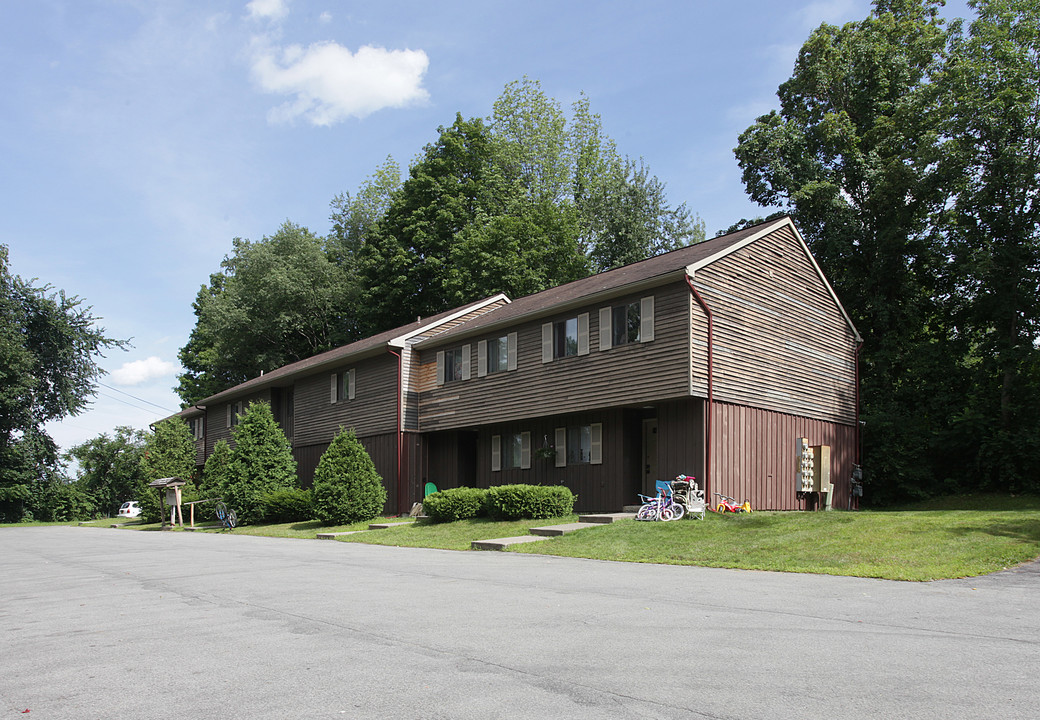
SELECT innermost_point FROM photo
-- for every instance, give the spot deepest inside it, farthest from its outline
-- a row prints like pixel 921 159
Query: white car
pixel 129 509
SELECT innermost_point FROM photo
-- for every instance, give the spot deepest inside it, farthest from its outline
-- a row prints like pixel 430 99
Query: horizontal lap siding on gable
pixel 780 341
pixel 628 374
pixel 372 410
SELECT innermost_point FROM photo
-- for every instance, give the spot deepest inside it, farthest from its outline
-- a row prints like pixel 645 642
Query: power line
pixel 148 402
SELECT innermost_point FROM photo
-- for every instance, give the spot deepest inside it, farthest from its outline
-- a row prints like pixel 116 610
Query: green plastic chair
pixel 430 489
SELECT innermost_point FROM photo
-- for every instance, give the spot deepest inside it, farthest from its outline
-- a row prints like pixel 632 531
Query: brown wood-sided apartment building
pixel 712 361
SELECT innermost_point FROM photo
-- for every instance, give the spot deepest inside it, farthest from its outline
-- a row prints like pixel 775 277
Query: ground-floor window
pixel 511 451
pixel 579 445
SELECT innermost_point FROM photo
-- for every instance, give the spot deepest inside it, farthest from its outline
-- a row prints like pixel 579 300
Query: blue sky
pixel 138 137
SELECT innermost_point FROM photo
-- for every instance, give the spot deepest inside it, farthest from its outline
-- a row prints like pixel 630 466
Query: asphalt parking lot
pixel 99 623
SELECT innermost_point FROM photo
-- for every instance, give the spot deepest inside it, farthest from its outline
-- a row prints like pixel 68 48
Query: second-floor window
pixel 625 322
pixel 565 338
pixel 498 354
pixel 453 365
pixel 341 386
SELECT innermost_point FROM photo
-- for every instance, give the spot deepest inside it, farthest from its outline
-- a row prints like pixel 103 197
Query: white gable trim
pixel 400 340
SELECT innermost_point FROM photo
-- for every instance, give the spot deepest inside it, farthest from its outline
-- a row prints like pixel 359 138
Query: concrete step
pixel 388 525
pixel 557 530
pixel 502 543
pixel 333 536
pixel 606 518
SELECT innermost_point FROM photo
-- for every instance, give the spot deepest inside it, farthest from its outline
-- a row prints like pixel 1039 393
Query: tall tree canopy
pixel 518 203
pixel 524 200
pixel 275 301
pixel 49 346
pixel 889 149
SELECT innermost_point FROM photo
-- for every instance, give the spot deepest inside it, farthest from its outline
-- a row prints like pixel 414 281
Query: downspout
pixel 711 387
pixel 400 436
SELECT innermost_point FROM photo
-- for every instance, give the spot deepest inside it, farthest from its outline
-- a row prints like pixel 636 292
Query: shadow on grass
pixel 1027 531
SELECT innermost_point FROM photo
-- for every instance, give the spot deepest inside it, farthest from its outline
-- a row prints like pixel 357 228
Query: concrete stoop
pixel 544 533
pixel 373 526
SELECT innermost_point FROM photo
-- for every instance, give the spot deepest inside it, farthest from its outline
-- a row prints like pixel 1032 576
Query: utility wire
pixel 148 402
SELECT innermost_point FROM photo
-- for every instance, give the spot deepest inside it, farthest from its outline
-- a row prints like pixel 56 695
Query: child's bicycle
pixel 727 504
pixel 663 507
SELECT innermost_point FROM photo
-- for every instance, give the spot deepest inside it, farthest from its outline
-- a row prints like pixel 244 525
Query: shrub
pixel 261 462
pixel 288 505
pixel 454 504
pixel 516 502
pixel 347 488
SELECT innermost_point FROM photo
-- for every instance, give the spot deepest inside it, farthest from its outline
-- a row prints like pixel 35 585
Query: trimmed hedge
pixel 517 502
pixel 454 504
pixel 291 505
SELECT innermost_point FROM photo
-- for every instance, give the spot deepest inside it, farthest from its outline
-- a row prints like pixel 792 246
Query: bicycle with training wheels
pixel 226 516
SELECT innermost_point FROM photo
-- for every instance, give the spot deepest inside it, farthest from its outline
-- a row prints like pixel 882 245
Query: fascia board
pixel 401 340
pixel 692 269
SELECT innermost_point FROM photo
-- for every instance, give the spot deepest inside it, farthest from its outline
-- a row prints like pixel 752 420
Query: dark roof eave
pixel 467 331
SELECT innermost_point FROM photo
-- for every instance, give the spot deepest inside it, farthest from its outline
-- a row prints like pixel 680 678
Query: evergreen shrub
pixel 287 505
pixel 454 504
pixel 347 488
pixel 517 502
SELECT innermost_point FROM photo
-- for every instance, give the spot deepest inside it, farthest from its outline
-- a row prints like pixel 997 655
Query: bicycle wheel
pixel 678 510
pixel 665 514
pixel 644 513
pixel 231 520
pixel 221 510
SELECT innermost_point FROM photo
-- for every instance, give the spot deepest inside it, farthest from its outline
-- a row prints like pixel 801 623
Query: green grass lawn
pixel 906 545
pixel 943 538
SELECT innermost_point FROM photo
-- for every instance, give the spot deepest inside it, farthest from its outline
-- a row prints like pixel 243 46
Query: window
pixel 579 445
pixel 341 386
pixel 511 451
pixel 498 354
pixel 628 323
pixel 197 426
pixel 625 323
pixel 453 365
pixel 565 338
pixel 233 411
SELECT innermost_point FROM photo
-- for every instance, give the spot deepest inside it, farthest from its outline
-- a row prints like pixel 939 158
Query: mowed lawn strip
pixel 898 545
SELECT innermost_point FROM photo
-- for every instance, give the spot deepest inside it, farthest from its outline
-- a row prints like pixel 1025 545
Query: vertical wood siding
pixel 383 451
pixel 780 342
pixel 754 455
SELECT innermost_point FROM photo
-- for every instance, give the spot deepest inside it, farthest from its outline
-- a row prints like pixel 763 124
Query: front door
pixel 650 456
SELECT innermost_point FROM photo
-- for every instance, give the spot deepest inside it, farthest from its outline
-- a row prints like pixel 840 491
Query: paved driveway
pixel 101 623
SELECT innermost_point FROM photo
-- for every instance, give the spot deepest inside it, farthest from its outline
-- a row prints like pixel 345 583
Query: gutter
pixel 711 387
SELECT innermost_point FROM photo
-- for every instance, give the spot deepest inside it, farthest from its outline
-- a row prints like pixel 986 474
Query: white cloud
pixel 141 371
pixel 273 10
pixel 331 84
pixel 325 17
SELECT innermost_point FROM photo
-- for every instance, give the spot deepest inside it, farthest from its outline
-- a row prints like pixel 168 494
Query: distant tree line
pixel 908 151
pixel 519 202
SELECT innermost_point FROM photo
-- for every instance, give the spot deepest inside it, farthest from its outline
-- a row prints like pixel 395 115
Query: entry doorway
pixel 650 456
